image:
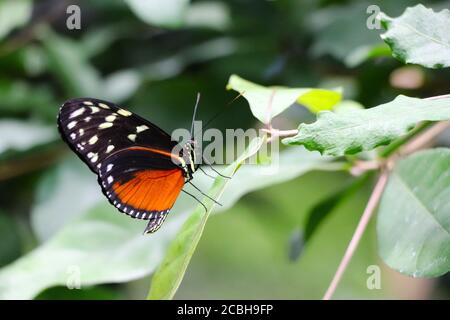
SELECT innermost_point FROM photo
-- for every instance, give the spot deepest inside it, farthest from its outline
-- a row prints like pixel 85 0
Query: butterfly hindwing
pixel 141 183
pixel 131 156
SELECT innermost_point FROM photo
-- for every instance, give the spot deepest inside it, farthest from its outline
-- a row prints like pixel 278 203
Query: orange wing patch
pixel 149 190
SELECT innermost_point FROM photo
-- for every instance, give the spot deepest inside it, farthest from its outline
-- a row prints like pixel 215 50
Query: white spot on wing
pixel 110 118
pixel 73 136
pixel 93 140
pixel 124 113
pixel 105 125
pixel 109 148
pixel 87 119
pixel 94 158
pixel 95 109
pixel 132 137
pixel 77 113
pixel 141 128
pixel 110 179
pixel 109 167
pixel 88 103
pixel 71 125
pixel 81 132
pixel 104 106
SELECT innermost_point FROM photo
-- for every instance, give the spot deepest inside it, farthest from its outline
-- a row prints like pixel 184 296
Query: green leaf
pixel 361 130
pixel 320 212
pixel 68 63
pixel 414 215
pixel 336 34
pixel 419 36
pixel 10 242
pixel 208 14
pixel 169 275
pixel 268 102
pixel 13 14
pixel 168 13
pixel 20 135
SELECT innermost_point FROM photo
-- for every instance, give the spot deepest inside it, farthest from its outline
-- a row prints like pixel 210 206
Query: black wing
pixel 95 129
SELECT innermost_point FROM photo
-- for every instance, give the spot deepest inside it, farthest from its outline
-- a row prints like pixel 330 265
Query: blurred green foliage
pixel 154 65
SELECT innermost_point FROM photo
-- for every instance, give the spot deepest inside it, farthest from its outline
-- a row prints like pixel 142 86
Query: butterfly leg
pixel 190 194
pixel 206 174
pixel 212 168
pixel 204 194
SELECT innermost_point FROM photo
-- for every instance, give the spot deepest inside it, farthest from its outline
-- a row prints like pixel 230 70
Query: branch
pixel 422 140
pixel 368 212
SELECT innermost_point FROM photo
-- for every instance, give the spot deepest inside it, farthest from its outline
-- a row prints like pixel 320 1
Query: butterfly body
pixel 140 169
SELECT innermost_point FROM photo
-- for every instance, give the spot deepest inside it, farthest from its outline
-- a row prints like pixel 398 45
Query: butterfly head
pixel 190 156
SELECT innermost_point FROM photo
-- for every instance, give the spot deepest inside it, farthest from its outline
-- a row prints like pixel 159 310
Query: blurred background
pixel 153 57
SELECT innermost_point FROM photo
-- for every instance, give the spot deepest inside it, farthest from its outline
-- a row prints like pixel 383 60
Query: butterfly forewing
pixel 95 129
pixel 132 157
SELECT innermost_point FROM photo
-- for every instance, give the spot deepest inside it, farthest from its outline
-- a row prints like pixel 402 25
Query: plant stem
pixel 365 218
pixel 394 146
pixel 420 141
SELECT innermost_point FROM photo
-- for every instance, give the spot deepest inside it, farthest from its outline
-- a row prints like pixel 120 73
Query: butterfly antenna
pixel 195 113
pixel 222 111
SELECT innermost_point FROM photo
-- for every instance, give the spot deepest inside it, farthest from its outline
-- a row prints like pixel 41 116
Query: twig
pixel 274 133
pixel 423 139
pixel 368 212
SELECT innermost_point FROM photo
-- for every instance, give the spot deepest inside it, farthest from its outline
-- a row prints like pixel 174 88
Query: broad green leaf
pixel 169 275
pixel 20 135
pixel 361 130
pixel 13 14
pixel 268 102
pixel 419 36
pixel 167 13
pixel 86 232
pixel 347 106
pixel 414 215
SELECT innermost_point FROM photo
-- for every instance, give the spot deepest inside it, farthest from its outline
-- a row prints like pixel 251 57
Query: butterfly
pixel 139 168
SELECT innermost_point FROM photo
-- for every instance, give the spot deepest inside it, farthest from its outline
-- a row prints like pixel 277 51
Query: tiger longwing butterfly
pixel 133 158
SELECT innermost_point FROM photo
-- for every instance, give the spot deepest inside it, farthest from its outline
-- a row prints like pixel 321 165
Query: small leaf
pixel 169 275
pixel 13 14
pixel 167 13
pixel 414 216
pixel 362 130
pixel 419 36
pixel 268 102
